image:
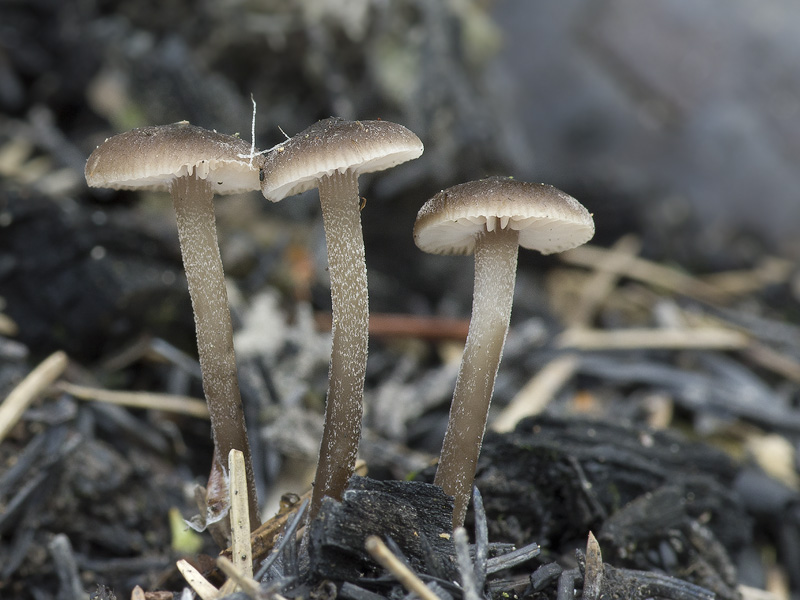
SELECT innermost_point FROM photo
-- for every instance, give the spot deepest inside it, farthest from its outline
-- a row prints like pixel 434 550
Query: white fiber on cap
pixel 333 145
pixel 153 157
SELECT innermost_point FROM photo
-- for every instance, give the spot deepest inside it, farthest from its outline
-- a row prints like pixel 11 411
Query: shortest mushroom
pixel 193 164
pixel 490 218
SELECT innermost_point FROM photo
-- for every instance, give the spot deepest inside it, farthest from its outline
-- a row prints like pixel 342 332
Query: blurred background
pixel 676 121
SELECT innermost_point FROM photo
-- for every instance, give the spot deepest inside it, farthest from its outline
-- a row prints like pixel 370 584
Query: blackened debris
pixel 554 479
pixel 656 533
pixel 639 585
pixel 417 516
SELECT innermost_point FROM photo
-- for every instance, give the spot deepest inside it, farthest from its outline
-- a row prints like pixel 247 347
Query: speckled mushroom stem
pixel 197 232
pixel 349 298
pixel 495 275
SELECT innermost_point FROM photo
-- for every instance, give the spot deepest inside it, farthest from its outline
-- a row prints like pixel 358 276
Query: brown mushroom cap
pixel 548 220
pixel 153 157
pixel 334 145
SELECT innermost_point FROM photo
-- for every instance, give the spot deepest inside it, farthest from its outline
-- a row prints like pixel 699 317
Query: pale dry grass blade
pixel 185 405
pixel 36 382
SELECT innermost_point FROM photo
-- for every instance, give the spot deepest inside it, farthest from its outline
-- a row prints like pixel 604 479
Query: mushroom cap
pixel 334 145
pixel 548 220
pixel 153 157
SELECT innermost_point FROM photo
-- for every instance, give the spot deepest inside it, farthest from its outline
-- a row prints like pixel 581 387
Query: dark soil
pixel 681 460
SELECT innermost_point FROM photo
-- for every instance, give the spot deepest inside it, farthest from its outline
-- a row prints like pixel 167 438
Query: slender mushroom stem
pixel 202 263
pixel 495 275
pixel 349 297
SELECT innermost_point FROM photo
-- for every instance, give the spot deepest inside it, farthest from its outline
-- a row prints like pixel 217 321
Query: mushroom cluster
pixel 490 218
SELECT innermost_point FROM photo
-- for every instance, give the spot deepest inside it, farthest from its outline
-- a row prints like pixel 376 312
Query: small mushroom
pixel 330 155
pixel 193 164
pixel 490 218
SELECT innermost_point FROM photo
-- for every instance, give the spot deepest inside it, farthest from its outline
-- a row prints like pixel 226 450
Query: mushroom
pixel 490 218
pixel 330 155
pixel 193 164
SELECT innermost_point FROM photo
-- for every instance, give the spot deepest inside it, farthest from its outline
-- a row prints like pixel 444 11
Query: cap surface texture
pixel 153 157
pixel 548 220
pixel 334 145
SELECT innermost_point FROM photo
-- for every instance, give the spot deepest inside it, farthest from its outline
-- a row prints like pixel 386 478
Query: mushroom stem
pixel 202 263
pixel 348 272
pixel 495 275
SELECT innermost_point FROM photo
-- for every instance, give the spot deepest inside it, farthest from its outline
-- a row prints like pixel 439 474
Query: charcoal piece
pixel 553 479
pixel 639 585
pixel 764 496
pixel 13 553
pixel 566 584
pixel 728 389
pixel 672 508
pixel 66 567
pixel 481 547
pixel 634 584
pixel 417 516
pixel 22 497
pixel 545 575
pixel 29 496
pixel 512 558
pixel 469 583
pixel 349 591
pixel 28 457
pixel 655 532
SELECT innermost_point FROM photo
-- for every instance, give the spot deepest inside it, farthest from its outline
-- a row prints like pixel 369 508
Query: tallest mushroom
pixel 330 155
pixel 193 164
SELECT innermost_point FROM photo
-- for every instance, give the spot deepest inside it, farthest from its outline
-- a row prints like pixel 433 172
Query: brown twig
pixel 391 325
